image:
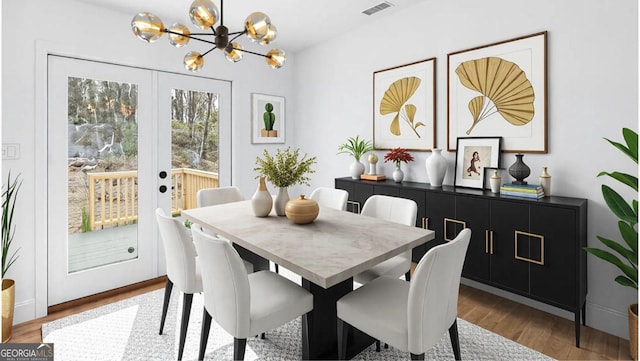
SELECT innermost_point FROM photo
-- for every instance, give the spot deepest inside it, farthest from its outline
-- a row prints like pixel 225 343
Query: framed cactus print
pixel 267 118
pixel 404 106
pixel 500 90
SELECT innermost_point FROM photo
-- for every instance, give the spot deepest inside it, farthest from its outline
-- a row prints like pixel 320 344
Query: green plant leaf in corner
pixel 618 205
pixel 629 271
pixel 626 282
pixel 630 236
pixel 624 178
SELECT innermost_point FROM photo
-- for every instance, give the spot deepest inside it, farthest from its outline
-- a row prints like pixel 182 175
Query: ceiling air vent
pixel 372 10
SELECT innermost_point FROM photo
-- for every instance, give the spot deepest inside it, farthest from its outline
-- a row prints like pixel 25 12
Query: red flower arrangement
pixel 398 155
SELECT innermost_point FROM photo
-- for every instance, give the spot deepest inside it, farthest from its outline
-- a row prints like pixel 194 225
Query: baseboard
pixel 601 318
pixel 24 311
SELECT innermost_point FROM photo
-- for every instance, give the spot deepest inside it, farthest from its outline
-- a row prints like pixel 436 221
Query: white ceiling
pixel 300 23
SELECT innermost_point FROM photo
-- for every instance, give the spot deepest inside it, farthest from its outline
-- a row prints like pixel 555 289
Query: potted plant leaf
pixel 9 196
pixel 356 148
pixel 623 252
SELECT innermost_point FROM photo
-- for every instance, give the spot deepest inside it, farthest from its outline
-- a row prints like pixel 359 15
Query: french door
pixel 123 141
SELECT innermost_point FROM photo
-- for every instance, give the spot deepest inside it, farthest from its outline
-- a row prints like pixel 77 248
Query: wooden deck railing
pixel 113 196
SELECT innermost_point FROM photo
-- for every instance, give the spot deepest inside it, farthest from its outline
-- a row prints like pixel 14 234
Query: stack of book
pixel 533 191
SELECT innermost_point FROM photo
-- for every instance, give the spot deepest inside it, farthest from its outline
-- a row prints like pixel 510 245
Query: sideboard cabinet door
pixel 474 213
pixel 507 271
pixel 554 279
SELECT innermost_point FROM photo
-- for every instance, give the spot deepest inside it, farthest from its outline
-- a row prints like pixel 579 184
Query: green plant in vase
pixel 287 168
pixel 623 252
pixel 356 148
pixel 9 197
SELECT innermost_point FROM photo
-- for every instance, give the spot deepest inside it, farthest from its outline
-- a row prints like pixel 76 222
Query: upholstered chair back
pixel 433 293
pixel 225 283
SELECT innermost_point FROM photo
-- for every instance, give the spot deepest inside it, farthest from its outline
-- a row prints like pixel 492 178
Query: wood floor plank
pixel 538 330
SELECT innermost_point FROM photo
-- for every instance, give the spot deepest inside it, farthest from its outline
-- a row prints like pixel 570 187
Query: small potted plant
pixel 9 196
pixel 284 170
pixel 356 148
pixel 398 155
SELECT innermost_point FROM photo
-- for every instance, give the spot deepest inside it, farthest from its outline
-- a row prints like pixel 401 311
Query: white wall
pixel 592 93
pixel 100 34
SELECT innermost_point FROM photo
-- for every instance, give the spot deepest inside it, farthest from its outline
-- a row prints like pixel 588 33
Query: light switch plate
pixel 11 151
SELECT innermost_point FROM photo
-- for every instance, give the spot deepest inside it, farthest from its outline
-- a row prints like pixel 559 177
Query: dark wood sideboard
pixel 532 248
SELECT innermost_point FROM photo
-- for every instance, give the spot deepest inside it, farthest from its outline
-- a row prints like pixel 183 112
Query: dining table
pixel 325 253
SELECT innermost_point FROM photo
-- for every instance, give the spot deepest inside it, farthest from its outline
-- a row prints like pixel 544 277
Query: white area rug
pixel 128 330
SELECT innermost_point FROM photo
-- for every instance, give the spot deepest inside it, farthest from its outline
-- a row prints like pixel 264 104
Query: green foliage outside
pixel 85 226
pixel 622 254
pixel 286 168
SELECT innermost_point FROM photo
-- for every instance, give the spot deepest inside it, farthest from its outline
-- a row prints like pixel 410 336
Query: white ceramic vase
pixel 545 182
pixel 261 202
pixel 436 166
pixel 356 169
pixel 398 174
pixel 495 181
pixel 281 201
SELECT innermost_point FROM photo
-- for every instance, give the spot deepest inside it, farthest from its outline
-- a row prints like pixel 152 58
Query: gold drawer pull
pixel 488 241
pixel 425 222
pixel 531 260
pixel 463 223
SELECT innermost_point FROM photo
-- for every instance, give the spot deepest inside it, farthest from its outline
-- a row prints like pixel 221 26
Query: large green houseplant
pixel 9 196
pixel 623 252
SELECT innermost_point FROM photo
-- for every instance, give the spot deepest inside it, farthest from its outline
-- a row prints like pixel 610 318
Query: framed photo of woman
pixel 473 154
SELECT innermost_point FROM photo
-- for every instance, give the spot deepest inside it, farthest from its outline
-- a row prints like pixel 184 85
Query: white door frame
pixel 42 50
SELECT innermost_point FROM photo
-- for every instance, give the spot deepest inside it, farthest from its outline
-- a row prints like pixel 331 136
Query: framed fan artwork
pixel 404 106
pixel 500 90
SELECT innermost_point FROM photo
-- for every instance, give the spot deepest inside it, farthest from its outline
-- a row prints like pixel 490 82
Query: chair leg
pixel 417 357
pixel 263 336
pixel 277 268
pixel 455 340
pixel 167 295
pixel 377 345
pixel 343 334
pixel 305 335
pixel 187 299
pixel 407 276
pixel 239 344
pixel 204 333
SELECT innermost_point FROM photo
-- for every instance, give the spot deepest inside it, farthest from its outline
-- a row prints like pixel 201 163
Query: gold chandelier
pixel 204 14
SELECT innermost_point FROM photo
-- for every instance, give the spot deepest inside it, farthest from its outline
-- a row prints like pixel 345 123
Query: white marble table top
pixel 335 247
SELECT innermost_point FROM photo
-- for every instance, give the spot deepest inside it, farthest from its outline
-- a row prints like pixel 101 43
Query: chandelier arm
pixel 254 53
pixel 190 37
pixel 235 37
pixel 208 51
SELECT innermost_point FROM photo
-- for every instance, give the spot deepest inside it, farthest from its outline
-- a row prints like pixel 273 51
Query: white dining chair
pixel 330 197
pixel 183 269
pixel 212 196
pixel 245 304
pixel 417 313
pixel 394 209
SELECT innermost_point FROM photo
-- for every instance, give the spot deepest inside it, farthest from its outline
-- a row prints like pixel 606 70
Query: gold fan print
pixel 394 100
pixel 505 90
